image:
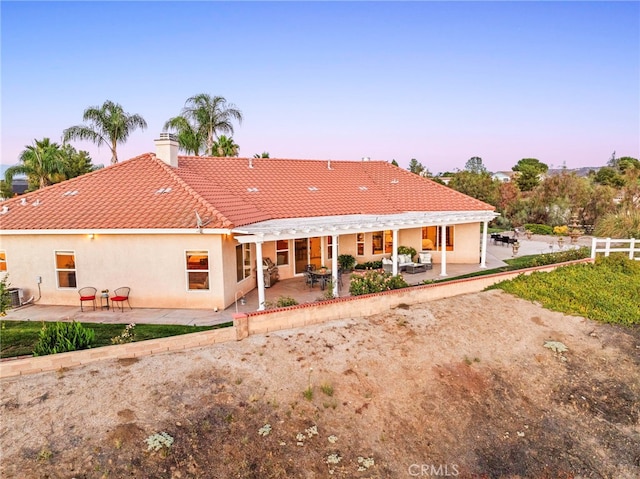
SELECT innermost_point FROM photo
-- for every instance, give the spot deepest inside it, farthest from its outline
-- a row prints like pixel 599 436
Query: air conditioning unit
pixel 17 296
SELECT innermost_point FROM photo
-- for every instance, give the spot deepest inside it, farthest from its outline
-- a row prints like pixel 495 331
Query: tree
pixel 108 124
pixel 225 147
pixel 190 139
pixel 265 154
pixel 415 166
pixel 478 185
pixel 608 176
pixel 530 170
pixel 40 162
pixel 75 162
pixel 474 165
pixel 394 163
pixel 207 115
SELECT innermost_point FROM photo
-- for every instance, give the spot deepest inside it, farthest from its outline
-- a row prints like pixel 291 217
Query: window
pixel 360 244
pixel 243 261
pixel 432 235
pixel 197 270
pixel 282 252
pixel 382 242
pixel 3 261
pixel 66 269
pixel 329 247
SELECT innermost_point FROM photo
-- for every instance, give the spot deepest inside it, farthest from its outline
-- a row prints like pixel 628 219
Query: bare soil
pixel 461 387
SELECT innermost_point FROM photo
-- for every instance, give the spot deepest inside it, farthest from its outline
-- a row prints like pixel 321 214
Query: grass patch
pixel 18 338
pixel 606 290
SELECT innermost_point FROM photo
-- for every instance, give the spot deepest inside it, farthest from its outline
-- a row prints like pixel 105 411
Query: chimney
pixel 167 149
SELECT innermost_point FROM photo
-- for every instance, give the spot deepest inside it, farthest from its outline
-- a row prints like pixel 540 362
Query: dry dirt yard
pixel 461 387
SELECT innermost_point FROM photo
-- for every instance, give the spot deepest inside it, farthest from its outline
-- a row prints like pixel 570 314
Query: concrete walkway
pixel 294 287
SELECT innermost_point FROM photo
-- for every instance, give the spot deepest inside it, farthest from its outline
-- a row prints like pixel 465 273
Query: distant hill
pixel 583 171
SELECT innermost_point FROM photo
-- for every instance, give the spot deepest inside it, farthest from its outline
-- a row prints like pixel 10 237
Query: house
pixel 192 232
pixel 503 176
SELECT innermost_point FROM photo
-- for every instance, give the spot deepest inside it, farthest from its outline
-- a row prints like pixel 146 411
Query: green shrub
pixel 346 262
pixel 5 297
pixel 539 229
pixel 375 282
pixel 61 337
pixel 284 301
pixel 370 265
pixel 407 250
pixel 561 230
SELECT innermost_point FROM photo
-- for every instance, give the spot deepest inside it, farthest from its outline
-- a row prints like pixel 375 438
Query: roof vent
pixel 363 188
pixel 36 203
pixel 313 188
pixel 5 209
pixel 163 190
pixel 394 181
pixel 329 165
pixel 23 202
pixel 70 193
pixel 252 189
pixel 251 163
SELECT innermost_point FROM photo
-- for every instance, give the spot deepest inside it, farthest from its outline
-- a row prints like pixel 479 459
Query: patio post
pixel 443 250
pixel 483 248
pixel 334 265
pixel 394 267
pixel 260 276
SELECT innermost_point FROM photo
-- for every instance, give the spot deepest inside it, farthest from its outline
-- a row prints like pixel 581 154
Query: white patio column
pixel 483 248
pixel 260 276
pixel 394 256
pixel 443 250
pixel 334 265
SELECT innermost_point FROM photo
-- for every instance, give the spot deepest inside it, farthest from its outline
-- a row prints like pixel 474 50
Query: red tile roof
pixel 146 193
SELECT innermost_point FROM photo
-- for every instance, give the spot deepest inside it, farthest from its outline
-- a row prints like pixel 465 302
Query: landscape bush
pixel 539 229
pixel 606 290
pixel 62 337
pixel 375 282
pixel 407 250
pixel 346 262
pixel 5 297
pixel 369 265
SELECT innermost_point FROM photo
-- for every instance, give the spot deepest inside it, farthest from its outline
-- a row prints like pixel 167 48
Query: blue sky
pixel 436 81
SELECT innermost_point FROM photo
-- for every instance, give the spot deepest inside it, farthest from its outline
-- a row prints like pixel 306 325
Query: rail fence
pixel 631 246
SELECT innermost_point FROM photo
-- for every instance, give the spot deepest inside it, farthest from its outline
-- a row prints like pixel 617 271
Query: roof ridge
pixel 208 206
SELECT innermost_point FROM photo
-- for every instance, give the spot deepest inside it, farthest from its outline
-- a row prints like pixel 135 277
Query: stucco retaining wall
pixel 261 322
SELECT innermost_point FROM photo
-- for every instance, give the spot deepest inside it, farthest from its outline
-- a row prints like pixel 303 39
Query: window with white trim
pixel 360 244
pixel 282 252
pixel 243 261
pixel 197 263
pixel 66 269
pixel 3 261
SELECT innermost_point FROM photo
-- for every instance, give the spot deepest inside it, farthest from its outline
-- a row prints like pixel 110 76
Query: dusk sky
pixel 436 81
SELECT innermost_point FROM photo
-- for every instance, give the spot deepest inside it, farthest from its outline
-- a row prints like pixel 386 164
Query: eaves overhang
pixel 115 231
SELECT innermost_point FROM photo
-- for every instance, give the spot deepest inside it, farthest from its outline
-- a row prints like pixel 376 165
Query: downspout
pixel 334 265
pixel 260 276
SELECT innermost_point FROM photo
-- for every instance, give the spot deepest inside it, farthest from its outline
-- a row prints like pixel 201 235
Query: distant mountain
pixel 583 171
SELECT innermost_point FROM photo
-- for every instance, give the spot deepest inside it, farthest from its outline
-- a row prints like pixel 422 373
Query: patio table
pixel 322 276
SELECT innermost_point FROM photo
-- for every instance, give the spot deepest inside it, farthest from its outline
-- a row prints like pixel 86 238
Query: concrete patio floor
pixel 294 288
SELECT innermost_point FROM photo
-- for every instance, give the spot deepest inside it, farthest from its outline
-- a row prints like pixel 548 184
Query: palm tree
pixel 41 162
pixel 208 115
pixel 108 124
pixel 225 147
pixel 189 138
pixel 265 154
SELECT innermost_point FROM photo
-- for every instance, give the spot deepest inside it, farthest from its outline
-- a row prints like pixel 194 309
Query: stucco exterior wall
pixel 154 266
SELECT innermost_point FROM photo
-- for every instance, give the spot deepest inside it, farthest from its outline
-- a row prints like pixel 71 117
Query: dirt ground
pixel 462 387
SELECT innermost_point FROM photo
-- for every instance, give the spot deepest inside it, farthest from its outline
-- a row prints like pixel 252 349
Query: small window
pixel 360 244
pixel 282 252
pixel 329 247
pixel 66 269
pixel 3 261
pixel 243 261
pixel 388 241
pixel 197 270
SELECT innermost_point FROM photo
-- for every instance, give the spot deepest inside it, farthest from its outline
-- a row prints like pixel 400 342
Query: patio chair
pixel 310 278
pixel 87 293
pixel 121 295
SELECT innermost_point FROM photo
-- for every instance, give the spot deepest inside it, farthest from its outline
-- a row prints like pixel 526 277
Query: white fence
pixel 632 246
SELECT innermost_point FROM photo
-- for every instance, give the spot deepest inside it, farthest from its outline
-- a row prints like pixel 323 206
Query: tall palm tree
pixel 225 147
pixel 190 138
pixel 108 124
pixel 208 115
pixel 42 162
